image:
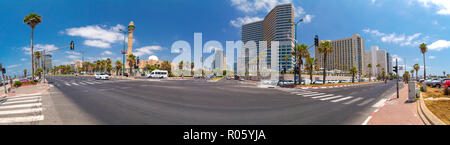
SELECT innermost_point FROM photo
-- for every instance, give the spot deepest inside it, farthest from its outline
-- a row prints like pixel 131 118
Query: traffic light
pixel 72 45
pixel 3 70
pixel 395 69
pixel 316 41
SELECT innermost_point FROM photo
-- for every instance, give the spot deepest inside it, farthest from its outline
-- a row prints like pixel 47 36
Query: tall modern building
pixel 376 57
pixel 348 52
pixel 276 26
pixel 45 60
pixel 389 63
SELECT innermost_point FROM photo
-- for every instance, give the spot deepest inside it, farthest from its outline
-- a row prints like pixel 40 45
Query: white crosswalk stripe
pixel 342 99
pixel 81 83
pixel 21 109
pixel 75 84
pixel 89 83
pixel 327 97
pixel 67 84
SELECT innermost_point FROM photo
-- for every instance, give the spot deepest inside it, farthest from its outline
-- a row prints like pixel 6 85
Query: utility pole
pixel 396 64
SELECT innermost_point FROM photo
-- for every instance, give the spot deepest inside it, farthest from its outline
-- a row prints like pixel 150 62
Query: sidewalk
pixel 397 111
pixel 39 88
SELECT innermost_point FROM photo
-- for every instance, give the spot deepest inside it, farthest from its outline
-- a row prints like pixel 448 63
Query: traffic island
pixel 434 107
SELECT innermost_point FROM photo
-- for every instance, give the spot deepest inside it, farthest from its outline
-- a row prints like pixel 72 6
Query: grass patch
pixel 441 109
pixel 434 93
pixel 217 78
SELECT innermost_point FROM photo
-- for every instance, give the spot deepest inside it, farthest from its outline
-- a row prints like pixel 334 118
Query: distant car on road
pixel 102 76
pixel 158 74
pixel 268 84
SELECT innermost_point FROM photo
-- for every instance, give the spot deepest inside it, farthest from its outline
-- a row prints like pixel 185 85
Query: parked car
pixel 434 82
pixel 102 76
pixel 441 83
pixel 345 81
pixel 196 76
pixel 268 84
pixel 158 74
pixel 446 86
pixel 318 82
pixel 125 74
pixel 333 81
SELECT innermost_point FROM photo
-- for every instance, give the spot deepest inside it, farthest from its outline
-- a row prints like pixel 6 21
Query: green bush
pixel 32 82
pixel 17 84
pixel 421 89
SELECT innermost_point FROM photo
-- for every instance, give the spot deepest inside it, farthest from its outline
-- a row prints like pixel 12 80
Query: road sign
pixel 1 65
pixel 3 70
pixel 123 52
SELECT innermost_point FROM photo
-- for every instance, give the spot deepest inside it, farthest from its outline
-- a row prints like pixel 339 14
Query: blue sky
pixel 398 26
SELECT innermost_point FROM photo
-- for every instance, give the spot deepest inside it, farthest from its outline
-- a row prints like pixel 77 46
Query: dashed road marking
pixel 354 100
pixel 342 99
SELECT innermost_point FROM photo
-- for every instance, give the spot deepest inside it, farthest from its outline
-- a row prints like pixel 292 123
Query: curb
pixel 426 115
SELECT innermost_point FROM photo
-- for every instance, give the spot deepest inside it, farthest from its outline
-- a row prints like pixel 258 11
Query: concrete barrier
pixel 426 115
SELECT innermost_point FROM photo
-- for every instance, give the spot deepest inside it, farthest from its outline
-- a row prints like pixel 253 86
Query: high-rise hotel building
pixel 276 26
pixel 348 52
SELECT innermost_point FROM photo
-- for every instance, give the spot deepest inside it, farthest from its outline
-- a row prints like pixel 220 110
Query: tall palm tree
pixel 310 66
pixel 370 71
pixel 118 67
pixel 131 62
pixel 302 52
pixel 325 49
pixel 98 64
pixel 32 20
pixel 423 48
pixel 353 71
pixel 108 65
pixel 417 68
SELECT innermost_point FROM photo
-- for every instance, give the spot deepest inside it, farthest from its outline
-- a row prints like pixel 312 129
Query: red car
pixel 446 85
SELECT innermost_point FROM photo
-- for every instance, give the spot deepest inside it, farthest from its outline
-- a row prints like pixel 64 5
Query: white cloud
pixel 244 20
pixel 431 57
pixel 373 1
pixel 308 18
pixel 23 59
pixel 72 52
pixel 13 66
pixel 107 53
pixel 97 43
pixel 395 56
pixel 40 47
pixel 443 6
pixel 146 50
pixel 153 57
pixel 401 39
pixel 73 56
pixel 439 45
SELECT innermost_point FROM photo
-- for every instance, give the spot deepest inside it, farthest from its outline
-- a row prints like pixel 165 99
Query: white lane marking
pixel 23 98
pixel 367 120
pixel 22 119
pixel 81 83
pixel 89 83
pixel 313 95
pixel 366 101
pixel 329 98
pixel 379 103
pixel 306 93
pixel 22 111
pixel 21 106
pixel 354 100
pixel 323 96
pixel 67 84
pixel 21 101
pixel 75 84
pixel 342 99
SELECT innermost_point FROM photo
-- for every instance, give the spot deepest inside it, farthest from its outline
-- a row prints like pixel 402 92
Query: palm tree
pixel 417 68
pixel 118 67
pixel 98 65
pixel 423 48
pixel 108 65
pixel 25 73
pixel 32 20
pixel 37 54
pixel 370 71
pixel 353 71
pixel 192 68
pixel 378 71
pixel 310 66
pixel 325 49
pixel 148 67
pixel 131 62
pixel 302 52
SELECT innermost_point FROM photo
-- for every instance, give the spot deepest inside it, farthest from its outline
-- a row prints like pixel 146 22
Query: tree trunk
pixel 324 68
pixel 353 77
pixel 300 75
pixel 32 55
pixel 424 68
pixel 417 72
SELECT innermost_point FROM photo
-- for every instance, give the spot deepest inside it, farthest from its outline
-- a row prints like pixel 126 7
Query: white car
pixel 268 84
pixel 102 76
pixel 158 74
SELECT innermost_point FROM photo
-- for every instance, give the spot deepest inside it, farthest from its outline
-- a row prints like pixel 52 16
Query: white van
pixel 158 74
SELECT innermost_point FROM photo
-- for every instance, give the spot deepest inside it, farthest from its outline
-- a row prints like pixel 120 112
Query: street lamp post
pixel 295 51
pixel 123 54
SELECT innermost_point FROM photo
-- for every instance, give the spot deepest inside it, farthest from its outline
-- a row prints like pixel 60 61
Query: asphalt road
pixel 197 102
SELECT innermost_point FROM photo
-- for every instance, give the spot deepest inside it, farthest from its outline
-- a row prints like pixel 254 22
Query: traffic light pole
pixel 396 64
